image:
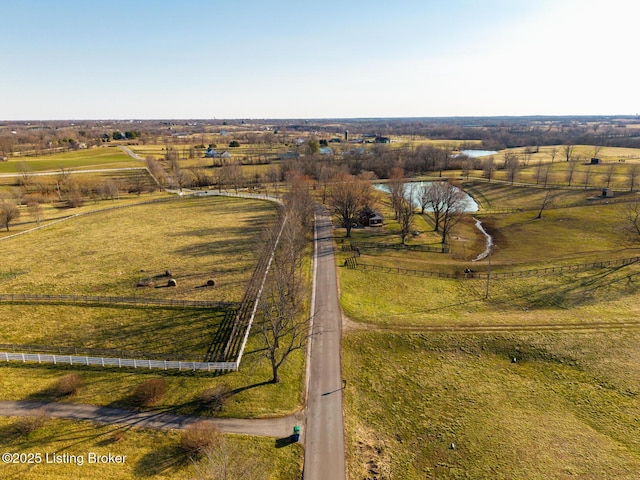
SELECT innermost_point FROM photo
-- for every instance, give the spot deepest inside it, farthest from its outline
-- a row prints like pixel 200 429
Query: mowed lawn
pixel 146 453
pixel 109 253
pixel 454 405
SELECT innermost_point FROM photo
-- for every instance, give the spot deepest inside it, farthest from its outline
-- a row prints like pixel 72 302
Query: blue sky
pixel 95 59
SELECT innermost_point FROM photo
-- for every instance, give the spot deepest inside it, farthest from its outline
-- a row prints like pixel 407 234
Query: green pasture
pixel 562 237
pixel 149 453
pixel 452 405
pixel 100 157
pixel 404 301
pixel 110 252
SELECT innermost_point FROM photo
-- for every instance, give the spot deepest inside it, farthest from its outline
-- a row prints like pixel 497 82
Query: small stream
pixel 489 243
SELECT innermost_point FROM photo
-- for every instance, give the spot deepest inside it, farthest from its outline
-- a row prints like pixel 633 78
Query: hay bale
pixel 210 282
pixel 172 283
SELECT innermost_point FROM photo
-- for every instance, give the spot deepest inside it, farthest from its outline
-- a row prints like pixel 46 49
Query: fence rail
pixel 22 297
pixel 84 351
pixel 117 362
pixel 396 246
pixel 353 263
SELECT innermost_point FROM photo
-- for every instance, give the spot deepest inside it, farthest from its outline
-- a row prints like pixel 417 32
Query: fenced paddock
pixel 234 347
pixel 353 263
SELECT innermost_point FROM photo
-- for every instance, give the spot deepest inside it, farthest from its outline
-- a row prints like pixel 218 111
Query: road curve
pixel 324 431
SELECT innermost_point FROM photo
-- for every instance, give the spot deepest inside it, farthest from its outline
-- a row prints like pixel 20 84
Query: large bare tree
pixel 348 196
pixel 447 204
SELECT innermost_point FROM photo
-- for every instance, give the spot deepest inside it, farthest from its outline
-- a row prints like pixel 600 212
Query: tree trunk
pixel 274 370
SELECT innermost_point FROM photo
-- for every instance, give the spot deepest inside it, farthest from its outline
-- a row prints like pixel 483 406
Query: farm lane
pixel 324 431
pixel 281 427
pixel 131 153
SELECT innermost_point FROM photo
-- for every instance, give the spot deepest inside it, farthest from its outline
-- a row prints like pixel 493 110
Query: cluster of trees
pixel 349 195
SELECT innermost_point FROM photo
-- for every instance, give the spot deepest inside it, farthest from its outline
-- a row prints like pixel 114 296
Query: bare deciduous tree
pixel 548 199
pixel 552 153
pixel 397 186
pixel 8 213
pixel 347 197
pixel 233 175
pixel 587 177
pixel 447 204
pixel 26 173
pixel 35 211
pixel 512 166
pixel 568 151
pixel 224 462
pixel 571 171
pixel 488 168
pixel 406 213
pixel 631 223
pixel 608 176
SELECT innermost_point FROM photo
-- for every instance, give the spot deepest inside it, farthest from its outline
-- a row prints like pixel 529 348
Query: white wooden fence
pixel 117 362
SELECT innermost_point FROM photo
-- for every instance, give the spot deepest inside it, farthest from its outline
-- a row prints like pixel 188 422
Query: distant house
pixel 595 161
pixel 325 151
pixel 607 192
pixel 380 139
pixel 225 155
pixel 370 218
pixel 211 153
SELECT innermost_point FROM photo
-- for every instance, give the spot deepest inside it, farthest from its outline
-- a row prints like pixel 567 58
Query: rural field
pixel 519 364
pixel 125 253
pixel 538 380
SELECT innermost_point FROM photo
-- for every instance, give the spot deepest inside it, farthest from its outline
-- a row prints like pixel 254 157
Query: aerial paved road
pixel 324 432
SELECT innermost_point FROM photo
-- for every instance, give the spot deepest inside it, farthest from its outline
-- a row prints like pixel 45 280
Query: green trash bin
pixel 296 433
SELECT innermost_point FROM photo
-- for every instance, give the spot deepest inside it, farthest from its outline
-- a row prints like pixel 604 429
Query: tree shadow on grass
pixel 166 460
